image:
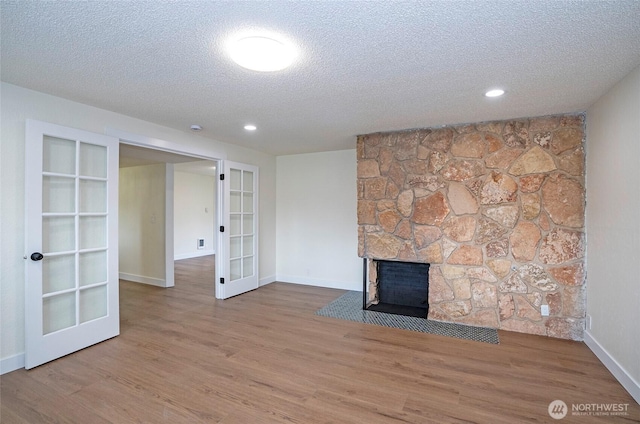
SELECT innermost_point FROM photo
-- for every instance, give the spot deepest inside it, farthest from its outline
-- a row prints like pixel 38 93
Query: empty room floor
pixel 265 357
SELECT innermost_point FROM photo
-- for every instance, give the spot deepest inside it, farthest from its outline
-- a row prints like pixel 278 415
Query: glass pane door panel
pixel 58 194
pixel 58 273
pixel 93 160
pixel 58 312
pixel 247 202
pixel 234 247
pixel 247 181
pixel 247 267
pixel 235 179
pixel 235 269
pixel 234 220
pixel 93 232
pixel 247 245
pixel 247 224
pixel 58 234
pixel 58 155
pixel 234 202
pixel 93 196
pixel 93 303
pixel 93 268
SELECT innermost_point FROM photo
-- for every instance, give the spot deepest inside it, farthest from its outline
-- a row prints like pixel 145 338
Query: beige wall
pixel 317 242
pixel 194 214
pixel 18 104
pixel 613 229
pixel 142 222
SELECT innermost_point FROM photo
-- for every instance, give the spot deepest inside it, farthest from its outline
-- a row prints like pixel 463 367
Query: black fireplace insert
pixel 403 288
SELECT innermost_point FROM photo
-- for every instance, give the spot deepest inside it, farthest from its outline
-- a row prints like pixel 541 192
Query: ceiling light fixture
pixel 250 127
pixel 494 93
pixel 196 127
pixel 262 53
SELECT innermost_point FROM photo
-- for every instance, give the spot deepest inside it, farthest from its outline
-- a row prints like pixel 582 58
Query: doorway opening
pixel 168 210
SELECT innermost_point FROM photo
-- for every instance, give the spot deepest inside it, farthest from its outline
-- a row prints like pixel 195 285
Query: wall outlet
pixel 201 243
pixel 588 323
pixel 544 310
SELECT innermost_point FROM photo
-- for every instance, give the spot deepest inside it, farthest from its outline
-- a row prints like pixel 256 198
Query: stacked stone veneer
pixel 497 208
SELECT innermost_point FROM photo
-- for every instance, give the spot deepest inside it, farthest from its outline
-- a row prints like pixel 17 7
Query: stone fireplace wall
pixel 496 208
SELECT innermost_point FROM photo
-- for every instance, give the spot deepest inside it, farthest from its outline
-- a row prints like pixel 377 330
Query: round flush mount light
pixel 494 93
pixel 196 127
pixel 263 53
pixel 250 127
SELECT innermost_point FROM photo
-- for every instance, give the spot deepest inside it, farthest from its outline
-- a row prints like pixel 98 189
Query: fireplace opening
pixel 402 288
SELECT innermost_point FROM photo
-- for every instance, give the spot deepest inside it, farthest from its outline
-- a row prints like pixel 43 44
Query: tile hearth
pixel 349 307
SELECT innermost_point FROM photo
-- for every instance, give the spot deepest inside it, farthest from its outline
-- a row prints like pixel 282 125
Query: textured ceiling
pixel 363 67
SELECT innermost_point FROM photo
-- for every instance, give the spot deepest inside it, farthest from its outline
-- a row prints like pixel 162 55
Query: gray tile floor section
pixel 349 307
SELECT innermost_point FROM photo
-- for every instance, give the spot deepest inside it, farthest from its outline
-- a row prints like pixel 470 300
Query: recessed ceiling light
pixel 196 127
pixel 494 93
pixel 262 53
pixel 250 127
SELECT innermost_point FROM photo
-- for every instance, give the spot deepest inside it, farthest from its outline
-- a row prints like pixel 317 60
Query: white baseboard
pixel 613 366
pixel 266 280
pixel 11 363
pixel 159 282
pixel 332 284
pixel 196 254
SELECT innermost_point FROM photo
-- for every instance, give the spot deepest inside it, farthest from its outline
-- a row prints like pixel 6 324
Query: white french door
pixel 240 237
pixel 71 293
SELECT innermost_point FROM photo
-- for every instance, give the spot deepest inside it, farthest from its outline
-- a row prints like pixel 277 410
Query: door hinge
pixel 222 281
pixel 222 228
pixel 221 177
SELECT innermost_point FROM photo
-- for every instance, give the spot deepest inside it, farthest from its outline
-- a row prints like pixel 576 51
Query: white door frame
pixel 198 153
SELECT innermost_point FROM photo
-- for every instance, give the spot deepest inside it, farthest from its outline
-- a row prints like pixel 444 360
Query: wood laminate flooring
pixel 265 357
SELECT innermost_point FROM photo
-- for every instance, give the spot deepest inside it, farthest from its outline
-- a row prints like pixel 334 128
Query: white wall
pixel 317 238
pixel 16 105
pixel 194 214
pixel 142 223
pixel 613 230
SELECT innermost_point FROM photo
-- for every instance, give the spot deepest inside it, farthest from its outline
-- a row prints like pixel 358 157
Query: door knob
pixel 37 256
